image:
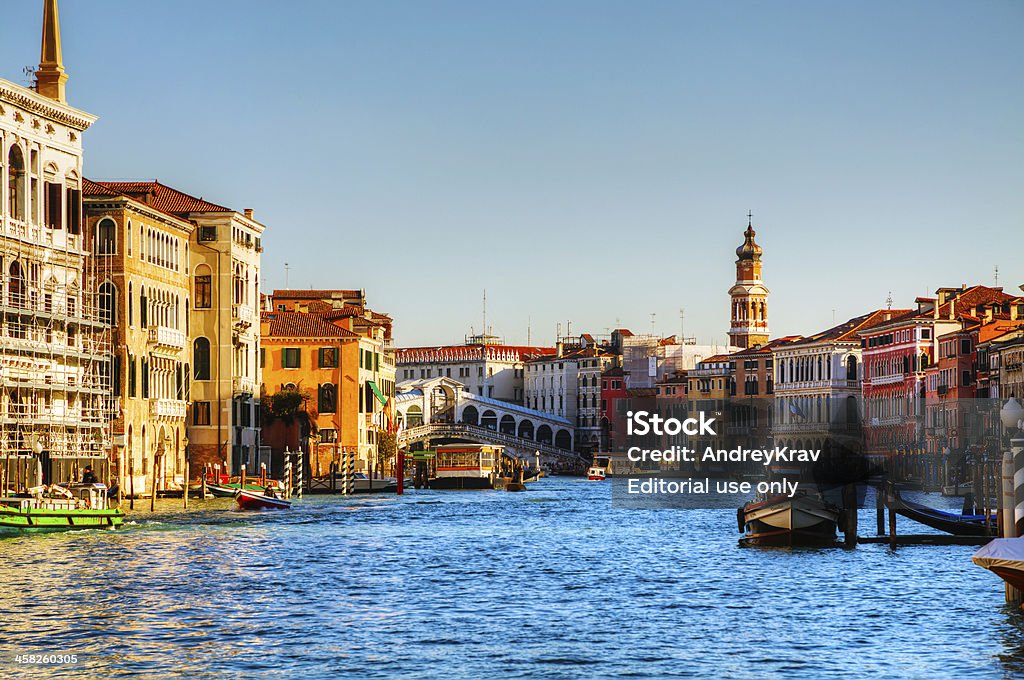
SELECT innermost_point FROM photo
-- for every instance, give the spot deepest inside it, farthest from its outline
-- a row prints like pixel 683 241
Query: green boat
pixel 82 507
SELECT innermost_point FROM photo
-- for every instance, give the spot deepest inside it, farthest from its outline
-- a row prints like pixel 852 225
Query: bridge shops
pixel 439 410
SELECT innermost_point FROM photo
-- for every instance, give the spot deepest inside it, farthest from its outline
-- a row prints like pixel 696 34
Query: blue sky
pixel 590 162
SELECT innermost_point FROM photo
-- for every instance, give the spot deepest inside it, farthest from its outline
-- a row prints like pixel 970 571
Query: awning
pixel 377 393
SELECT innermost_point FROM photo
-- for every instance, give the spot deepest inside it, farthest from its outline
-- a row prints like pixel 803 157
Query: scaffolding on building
pixel 56 363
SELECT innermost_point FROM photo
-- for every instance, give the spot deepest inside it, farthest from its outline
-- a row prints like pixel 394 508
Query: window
pixel 108 303
pixel 291 357
pixel 201 358
pixel 16 183
pixel 207 234
pixel 327 401
pixel 131 376
pixel 53 195
pixel 328 357
pixel 106 237
pixel 201 413
pixel 74 203
pixel 145 379
pixel 203 289
pixel 263 357
pixel 328 436
pixel 143 309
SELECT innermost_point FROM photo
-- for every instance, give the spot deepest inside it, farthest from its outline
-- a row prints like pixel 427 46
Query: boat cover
pixel 1001 552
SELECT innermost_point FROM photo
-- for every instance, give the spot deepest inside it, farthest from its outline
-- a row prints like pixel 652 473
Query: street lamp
pixel 1011 414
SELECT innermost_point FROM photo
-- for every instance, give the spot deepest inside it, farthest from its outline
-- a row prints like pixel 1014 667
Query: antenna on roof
pixel 997 276
pixel 485 312
pixel 888 301
pixel 528 329
pixel 286 276
pixel 652 323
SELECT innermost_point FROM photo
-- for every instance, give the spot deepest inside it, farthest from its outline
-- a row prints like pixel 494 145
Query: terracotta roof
pixel 769 346
pixel 999 328
pixel 302 325
pixel 160 197
pixel 642 391
pixel 848 330
pixel 716 359
pixel 613 372
pixel 317 294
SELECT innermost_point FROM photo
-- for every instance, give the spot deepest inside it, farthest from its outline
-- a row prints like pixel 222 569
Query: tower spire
pixel 51 78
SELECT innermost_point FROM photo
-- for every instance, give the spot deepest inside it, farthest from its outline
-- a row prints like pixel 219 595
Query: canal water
pixel 552 583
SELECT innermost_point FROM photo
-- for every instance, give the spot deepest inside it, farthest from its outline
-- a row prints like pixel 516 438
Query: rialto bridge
pixel 440 409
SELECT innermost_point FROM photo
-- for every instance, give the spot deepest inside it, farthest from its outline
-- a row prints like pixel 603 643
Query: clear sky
pixel 586 161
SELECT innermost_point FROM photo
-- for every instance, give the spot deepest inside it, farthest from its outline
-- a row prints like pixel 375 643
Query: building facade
pixel 142 254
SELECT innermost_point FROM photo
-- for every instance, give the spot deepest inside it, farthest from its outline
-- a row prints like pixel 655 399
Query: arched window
pixel 201 358
pixel 106 237
pixel 108 303
pixel 128 232
pixel 16 183
pixel 143 308
pixel 851 367
pixel 16 285
pixel 328 398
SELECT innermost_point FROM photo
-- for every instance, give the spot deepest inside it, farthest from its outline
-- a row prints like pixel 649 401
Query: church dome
pixel 749 250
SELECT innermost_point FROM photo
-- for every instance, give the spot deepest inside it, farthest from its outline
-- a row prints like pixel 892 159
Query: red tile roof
pixel 410 355
pixel 318 294
pixel 848 330
pixel 156 195
pixel 302 325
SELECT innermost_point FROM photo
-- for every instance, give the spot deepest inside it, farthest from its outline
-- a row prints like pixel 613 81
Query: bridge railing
pixel 465 429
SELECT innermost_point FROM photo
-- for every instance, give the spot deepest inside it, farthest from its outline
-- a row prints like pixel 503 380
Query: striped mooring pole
pixel 1017 451
pixel 350 473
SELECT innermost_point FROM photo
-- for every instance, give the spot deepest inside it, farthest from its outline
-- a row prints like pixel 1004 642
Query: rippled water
pixel 552 583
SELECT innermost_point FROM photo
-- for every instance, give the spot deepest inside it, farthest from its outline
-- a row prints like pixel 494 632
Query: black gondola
pixel 949 522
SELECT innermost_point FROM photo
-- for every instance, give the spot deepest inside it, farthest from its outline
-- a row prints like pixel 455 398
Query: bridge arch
pixel 489 419
pixel 563 439
pixel 544 435
pixel 414 416
pixel 507 424
pixel 471 415
pixel 526 429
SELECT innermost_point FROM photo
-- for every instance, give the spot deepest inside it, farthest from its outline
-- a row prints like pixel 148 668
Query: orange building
pixel 339 361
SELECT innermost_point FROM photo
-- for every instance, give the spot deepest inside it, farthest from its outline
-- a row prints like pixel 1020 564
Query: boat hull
pixel 784 521
pixel 462 483
pixel 248 500
pixel 42 519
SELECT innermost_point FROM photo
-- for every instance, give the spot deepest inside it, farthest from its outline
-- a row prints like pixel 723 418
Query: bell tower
pixel 50 77
pixel 749 297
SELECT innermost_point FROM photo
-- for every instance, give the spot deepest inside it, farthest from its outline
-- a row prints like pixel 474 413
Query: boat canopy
pixel 1002 552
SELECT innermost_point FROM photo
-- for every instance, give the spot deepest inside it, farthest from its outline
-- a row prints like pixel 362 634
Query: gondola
pixel 949 522
pixel 249 500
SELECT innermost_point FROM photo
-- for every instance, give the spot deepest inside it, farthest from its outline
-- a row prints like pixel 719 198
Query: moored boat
pixel 600 468
pixel 595 474
pixel 79 507
pixel 803 519
pixel 1004 557
pixel 252 500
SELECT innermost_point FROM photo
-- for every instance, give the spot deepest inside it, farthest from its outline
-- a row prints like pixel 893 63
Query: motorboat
pixel 1004 557
pixel 252 500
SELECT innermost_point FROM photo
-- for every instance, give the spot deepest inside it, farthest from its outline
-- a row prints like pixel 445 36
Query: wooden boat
pixel 1004 557
pixel 949 522
pixel 251 500
pixel 961 489
pixel 228 490
pixel 79 507
pixel 804 519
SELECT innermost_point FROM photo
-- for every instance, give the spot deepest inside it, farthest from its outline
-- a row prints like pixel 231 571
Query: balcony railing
pixel 240 385
pixel 887 379
pixel 243 315
pixel 164 336
pixel 167 408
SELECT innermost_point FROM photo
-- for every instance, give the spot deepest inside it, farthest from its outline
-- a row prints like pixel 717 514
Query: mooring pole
pixel 850 509
pixel 890 496
pixel 400 472
pixel 184 488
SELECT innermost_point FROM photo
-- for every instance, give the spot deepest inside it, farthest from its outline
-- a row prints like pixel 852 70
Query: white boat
pixel 596 474
pixel 600 468
pixel 781 520
pixel 1004 557
pixel 960 489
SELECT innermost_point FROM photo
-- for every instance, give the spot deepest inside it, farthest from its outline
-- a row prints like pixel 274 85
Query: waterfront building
pixel 54 363
pixel 1003 355
pixel 648 359
pixel 591 363
pixel 708 390
pixel 818 382
pixel 142 255
pixel 483 364
pixel 341 363
pixel 613 411
pixel 749 413
pixel 223 261
pixel 748 296
pixel 897 354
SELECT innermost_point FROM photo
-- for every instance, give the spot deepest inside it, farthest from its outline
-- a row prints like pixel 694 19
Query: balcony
pixel 240 385
pixel 887 379
pixel 172 409
pixel 166 338
pixel 242 316
pixel 943 390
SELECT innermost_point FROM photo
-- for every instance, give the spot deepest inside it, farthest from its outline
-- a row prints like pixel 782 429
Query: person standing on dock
pixel 88 476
